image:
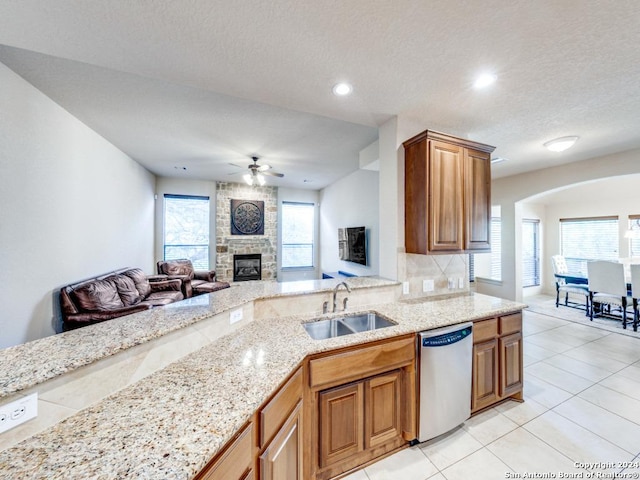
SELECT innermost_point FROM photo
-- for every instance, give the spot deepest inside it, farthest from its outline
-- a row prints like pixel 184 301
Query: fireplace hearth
pixel 247 267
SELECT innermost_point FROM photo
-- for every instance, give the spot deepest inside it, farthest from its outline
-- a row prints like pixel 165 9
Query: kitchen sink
pixel 337 327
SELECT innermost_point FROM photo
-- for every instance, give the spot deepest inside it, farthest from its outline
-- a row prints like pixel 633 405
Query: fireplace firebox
pixel 247 267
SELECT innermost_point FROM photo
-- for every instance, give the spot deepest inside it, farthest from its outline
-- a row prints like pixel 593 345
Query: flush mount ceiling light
pixel 561 144
pixel 342 89
pixel 484 80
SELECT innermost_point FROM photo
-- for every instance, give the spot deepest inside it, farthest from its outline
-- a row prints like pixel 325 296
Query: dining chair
pixel 635 293
pixel 607 286
pixel 560 268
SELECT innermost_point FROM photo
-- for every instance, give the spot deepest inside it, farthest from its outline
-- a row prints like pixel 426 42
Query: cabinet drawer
pixel 274 414
pixel 485 330
pixel 363 362
pixel 235 462
pixel 511 323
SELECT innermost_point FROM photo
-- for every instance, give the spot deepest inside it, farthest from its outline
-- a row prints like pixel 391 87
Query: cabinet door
pixel 485 374
pixel 341 412
pixel 234 463
pixel 511 364
pixel 445 196
pixel 477 177
pixel 382 409
pixel 282 459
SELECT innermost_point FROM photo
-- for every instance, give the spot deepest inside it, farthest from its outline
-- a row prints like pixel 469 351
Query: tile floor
pixel 582 406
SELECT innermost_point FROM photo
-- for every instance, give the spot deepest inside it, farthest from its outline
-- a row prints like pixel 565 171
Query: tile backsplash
pixel 441 269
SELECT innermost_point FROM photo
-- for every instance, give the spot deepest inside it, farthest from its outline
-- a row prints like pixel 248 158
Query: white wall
pixel 72 206
pixel 181 186
pixel 302 196
pixel 350 202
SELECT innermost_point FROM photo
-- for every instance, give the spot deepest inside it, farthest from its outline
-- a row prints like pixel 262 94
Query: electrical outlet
pixel 460 282
pixel 405 288
pixel 428 285
pixel 452 283
pixel 17 412
pixel 235 316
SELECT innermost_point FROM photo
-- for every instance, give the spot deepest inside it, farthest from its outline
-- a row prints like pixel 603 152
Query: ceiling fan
pixel 256 172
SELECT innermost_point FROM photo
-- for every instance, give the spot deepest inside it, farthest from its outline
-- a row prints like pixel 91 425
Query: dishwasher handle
pixel 448 338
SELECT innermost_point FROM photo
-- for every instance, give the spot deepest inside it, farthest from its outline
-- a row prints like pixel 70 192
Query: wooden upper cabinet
pixel 447 194
pixel 477 193
pixel 445 187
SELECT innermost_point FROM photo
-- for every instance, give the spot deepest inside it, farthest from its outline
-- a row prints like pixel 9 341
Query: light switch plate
pixel 235 316
pixel 17 412
pixel 405 288
pixel 460 282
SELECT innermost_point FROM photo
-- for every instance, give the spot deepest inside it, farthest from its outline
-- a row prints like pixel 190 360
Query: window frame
pixel 535 274
pixel 198 264
pixel 578 264
pixel 284 245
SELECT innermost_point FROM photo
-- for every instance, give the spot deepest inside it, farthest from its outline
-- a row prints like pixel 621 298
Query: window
pixel 584 239
pixel 530 253
pixel 186 229
pixel 298 220
pixel 496 248
pixel 633 234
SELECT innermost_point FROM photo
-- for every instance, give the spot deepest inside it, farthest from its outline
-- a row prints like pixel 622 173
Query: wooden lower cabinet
pixel 341 414
pixel 510 347
pixel 282 459
pixel 485 374
pixel 497 361
pixel 235 462
pixel 358 422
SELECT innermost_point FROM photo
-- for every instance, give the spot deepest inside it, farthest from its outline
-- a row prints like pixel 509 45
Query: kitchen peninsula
pixel 172 422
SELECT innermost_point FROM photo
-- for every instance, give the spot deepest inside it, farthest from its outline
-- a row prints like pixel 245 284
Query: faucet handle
pixel 344 303
pixel 325 307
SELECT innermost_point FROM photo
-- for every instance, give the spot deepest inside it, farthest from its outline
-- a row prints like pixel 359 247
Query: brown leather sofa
pixel 193 282
pixel 114 295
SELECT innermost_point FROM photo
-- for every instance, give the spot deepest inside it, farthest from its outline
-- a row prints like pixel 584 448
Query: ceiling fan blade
pixel 234 165
pixel 262 168
pixel 273 174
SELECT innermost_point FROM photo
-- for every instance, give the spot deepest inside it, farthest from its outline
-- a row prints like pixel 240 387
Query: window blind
pixel 530 253
pixel 584 239
pixel 496 248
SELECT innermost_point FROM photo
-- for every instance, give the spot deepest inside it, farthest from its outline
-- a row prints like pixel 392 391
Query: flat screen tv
pixel 352 244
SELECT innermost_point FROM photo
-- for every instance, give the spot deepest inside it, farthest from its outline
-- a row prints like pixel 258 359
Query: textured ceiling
pixel 201 83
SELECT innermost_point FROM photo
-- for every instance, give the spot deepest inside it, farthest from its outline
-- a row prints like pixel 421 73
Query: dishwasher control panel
pixel 446 338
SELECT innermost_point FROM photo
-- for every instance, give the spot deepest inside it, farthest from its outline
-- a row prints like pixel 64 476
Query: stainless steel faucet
pixel 335 294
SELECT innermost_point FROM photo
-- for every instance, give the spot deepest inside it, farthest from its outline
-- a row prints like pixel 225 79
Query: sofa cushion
pixel 98 295
pixel 178 267
pixel 141 281
pixel 164 297
pixel 126 289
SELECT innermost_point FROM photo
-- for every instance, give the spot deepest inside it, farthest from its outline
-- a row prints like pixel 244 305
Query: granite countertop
pixel 34 362
pixel 171 423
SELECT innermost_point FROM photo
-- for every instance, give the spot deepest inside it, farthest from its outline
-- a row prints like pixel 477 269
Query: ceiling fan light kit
pixel 256 173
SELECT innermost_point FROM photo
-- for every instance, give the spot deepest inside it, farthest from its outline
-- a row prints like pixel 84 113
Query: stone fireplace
pixel 229 245
pixel 247 267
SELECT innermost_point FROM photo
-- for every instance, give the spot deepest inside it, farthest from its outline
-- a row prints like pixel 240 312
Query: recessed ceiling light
pixel 498 160
pixel 561 144
pixel 342 89
pixel 485 80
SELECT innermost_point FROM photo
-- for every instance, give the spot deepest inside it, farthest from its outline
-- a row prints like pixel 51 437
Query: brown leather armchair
pixel 193 282
pixel 114 295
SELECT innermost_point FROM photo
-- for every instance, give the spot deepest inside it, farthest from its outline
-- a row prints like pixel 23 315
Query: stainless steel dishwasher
pixel 445 379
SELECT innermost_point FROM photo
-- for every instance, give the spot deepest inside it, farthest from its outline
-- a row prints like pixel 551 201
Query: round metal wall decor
pixel 247 217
